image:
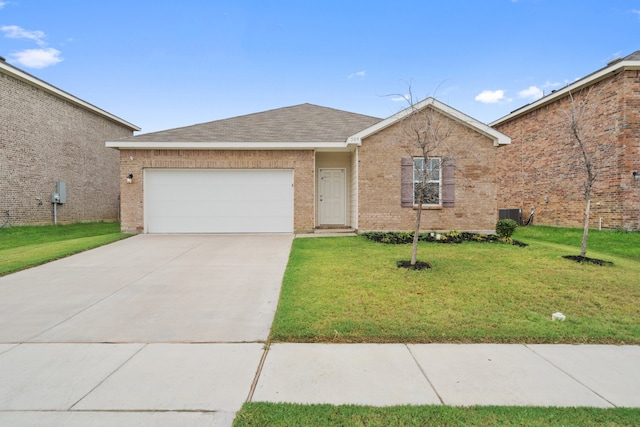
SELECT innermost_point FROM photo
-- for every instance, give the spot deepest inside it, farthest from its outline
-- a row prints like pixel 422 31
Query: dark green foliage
pixel 505 228
pixel 404 237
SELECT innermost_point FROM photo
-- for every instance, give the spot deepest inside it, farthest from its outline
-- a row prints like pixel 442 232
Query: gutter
pixel 150 145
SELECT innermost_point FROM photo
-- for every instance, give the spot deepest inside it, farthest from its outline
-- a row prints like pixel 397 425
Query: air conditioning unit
pixel 511 213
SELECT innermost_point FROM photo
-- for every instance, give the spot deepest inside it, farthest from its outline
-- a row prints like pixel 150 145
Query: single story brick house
pixel 47 137
pixel 543 170
pixel 303 168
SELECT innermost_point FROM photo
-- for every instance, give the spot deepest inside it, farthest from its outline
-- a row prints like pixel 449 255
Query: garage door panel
pixel 222 225
pixel 218 201
pixel 180 208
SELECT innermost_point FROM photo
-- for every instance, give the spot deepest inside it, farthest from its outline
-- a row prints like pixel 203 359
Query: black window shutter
pixel 406 183
pixel 448 183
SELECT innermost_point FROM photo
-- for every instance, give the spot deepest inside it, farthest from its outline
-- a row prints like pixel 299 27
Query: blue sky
pixel 165 63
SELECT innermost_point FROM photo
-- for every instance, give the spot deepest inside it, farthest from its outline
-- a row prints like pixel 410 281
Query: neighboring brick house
pixel 46 136
pixel 302 168
pixel 543 170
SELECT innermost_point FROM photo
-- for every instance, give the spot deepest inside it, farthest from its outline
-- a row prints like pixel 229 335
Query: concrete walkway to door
pixel 156 330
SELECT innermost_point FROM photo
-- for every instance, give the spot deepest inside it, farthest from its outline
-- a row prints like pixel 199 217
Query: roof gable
pixel 497 137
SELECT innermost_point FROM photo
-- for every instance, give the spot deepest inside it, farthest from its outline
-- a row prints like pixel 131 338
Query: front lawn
pixel 27 246
pixel 348 289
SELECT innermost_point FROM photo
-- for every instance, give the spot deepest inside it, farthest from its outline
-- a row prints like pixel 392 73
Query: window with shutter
pixel 439 188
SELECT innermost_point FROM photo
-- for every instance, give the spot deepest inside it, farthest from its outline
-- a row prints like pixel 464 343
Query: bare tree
pixel 425 133
pixel 582 116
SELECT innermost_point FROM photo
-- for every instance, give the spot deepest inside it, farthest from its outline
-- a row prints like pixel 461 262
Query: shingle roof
pixel 298 123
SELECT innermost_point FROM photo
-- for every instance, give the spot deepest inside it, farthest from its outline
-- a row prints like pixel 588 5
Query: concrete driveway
pixel 122 334
pixel 148 289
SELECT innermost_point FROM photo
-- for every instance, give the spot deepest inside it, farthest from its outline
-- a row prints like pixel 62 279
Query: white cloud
pixel 3 4
pixel 358 74
pixel 636 11
pixel 15 32
pixel 32 58
pixel 37 58
pixel 533 93
pixel 490 97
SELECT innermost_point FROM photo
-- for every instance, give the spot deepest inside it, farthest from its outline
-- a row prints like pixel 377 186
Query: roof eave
pixel 176 145
pixel 577 85
pixel 28 78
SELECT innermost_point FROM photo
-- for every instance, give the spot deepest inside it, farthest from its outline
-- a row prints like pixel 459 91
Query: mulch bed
pixel 420 265
pixel 578 258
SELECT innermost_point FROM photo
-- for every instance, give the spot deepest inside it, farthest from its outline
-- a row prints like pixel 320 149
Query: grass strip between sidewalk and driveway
pixel 348 289
pixel 27 246
pixel 290 415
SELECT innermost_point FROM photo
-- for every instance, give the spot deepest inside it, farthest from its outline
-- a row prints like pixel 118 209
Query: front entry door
pixel 331 197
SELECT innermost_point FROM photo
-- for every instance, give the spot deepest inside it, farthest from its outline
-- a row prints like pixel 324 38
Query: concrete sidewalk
pixel 91 384
pixel 451 374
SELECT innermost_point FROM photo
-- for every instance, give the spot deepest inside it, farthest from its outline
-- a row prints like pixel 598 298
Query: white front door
pixel 332 197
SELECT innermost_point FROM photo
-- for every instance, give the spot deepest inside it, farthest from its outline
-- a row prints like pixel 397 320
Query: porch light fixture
pixel 636 175
pixel 129 178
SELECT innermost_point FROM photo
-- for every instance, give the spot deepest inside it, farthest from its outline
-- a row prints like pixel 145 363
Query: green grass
pixel 27 246
pixel 606 242
pixel 348 289
pixel 283 415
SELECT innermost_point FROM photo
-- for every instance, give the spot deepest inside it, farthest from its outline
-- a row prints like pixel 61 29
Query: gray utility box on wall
pixel 60 196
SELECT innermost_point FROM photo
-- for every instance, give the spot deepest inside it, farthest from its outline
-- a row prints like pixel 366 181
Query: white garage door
pixel 218 200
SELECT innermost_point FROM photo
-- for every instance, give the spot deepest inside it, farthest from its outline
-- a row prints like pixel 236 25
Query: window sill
pixel 428 207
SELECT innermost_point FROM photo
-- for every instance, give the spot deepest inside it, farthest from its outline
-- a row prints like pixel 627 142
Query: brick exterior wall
pixel 135 161
pixel 45 139
pixel 542 169
pixel 379 175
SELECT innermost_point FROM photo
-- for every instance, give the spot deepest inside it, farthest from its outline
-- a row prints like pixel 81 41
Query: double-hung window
pixel 438 191
pixel 427 179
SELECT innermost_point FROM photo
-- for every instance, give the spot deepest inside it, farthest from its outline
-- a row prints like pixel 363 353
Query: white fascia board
pixel 131 145
pixel 28 78
pixel 497 137
pixel 577 85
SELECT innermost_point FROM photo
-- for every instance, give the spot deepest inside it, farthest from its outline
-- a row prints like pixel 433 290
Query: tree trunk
pixel 585 233
pixel 416 235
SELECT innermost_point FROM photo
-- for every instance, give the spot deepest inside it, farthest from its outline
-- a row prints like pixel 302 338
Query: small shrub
pixel 389 237
pixel 454 237
pixel 505 228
